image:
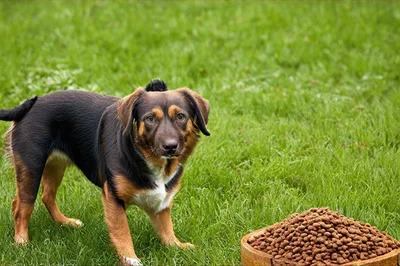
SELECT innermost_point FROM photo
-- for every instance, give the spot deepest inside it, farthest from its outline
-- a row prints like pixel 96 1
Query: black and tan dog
pixel 133 148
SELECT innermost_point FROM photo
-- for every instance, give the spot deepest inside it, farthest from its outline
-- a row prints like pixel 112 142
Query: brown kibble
pixel 284 243
pixel 297 250
pixel 352 230
pixel 365 230
pixel 288 247
pixel 252 239
pixel 353 245
pixel 288 255
pixel 346 240
pixel 322 237
pixel 337 221
pixel 301 227
pixel 343 231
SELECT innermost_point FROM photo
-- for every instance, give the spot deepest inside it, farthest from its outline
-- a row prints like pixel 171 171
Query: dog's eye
pixel 180 116
pixel 150 118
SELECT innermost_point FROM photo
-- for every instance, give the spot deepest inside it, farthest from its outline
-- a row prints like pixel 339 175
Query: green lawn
pixel 305 112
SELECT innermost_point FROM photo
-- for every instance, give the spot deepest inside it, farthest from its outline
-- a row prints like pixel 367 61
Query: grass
pixel 305 99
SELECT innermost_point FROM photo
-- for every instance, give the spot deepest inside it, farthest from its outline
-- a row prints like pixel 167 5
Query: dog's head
pixel 164 124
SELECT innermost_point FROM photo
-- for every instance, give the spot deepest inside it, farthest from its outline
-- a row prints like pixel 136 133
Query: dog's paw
pixel 131 262
pixel 20 241
pixel 187 245
pixel 178 244
pixel 73 222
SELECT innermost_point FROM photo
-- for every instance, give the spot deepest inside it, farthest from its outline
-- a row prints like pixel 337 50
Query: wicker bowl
pixel 253 257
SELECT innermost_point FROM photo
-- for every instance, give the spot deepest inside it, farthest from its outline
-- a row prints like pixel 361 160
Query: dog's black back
pixel 76 140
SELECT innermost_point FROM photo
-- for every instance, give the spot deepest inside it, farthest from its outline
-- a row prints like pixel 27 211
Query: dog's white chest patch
pixel 156 199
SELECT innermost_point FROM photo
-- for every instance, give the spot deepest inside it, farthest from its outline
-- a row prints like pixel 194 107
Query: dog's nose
pixel 170 146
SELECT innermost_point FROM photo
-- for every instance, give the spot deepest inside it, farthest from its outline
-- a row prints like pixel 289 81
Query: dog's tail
pixel 17 113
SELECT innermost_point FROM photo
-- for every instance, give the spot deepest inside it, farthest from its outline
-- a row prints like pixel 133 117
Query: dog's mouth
pixel 173 154
pixel 169 157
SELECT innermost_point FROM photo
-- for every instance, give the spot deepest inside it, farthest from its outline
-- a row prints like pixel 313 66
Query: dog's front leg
pixel 118 228
pixel 162 224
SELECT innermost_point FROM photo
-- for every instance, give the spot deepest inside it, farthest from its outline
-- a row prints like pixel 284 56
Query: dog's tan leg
pixel 22 213
pixel 23 204
pixel 162 224
pixel 51 179
pixel 118 228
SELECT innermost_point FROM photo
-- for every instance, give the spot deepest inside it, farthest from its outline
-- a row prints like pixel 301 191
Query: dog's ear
pixel 125 110
pixel 200 107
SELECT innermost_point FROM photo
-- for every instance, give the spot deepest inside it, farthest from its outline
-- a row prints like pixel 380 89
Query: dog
pixel 133 148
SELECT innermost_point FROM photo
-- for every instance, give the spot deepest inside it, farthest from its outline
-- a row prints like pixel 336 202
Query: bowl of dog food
pixel 319 237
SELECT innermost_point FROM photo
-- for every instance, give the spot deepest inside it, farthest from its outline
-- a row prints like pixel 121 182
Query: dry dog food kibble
pixel 322 237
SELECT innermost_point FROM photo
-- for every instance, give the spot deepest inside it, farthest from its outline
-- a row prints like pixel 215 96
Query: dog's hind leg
pixel 28 181
pixel 51 179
